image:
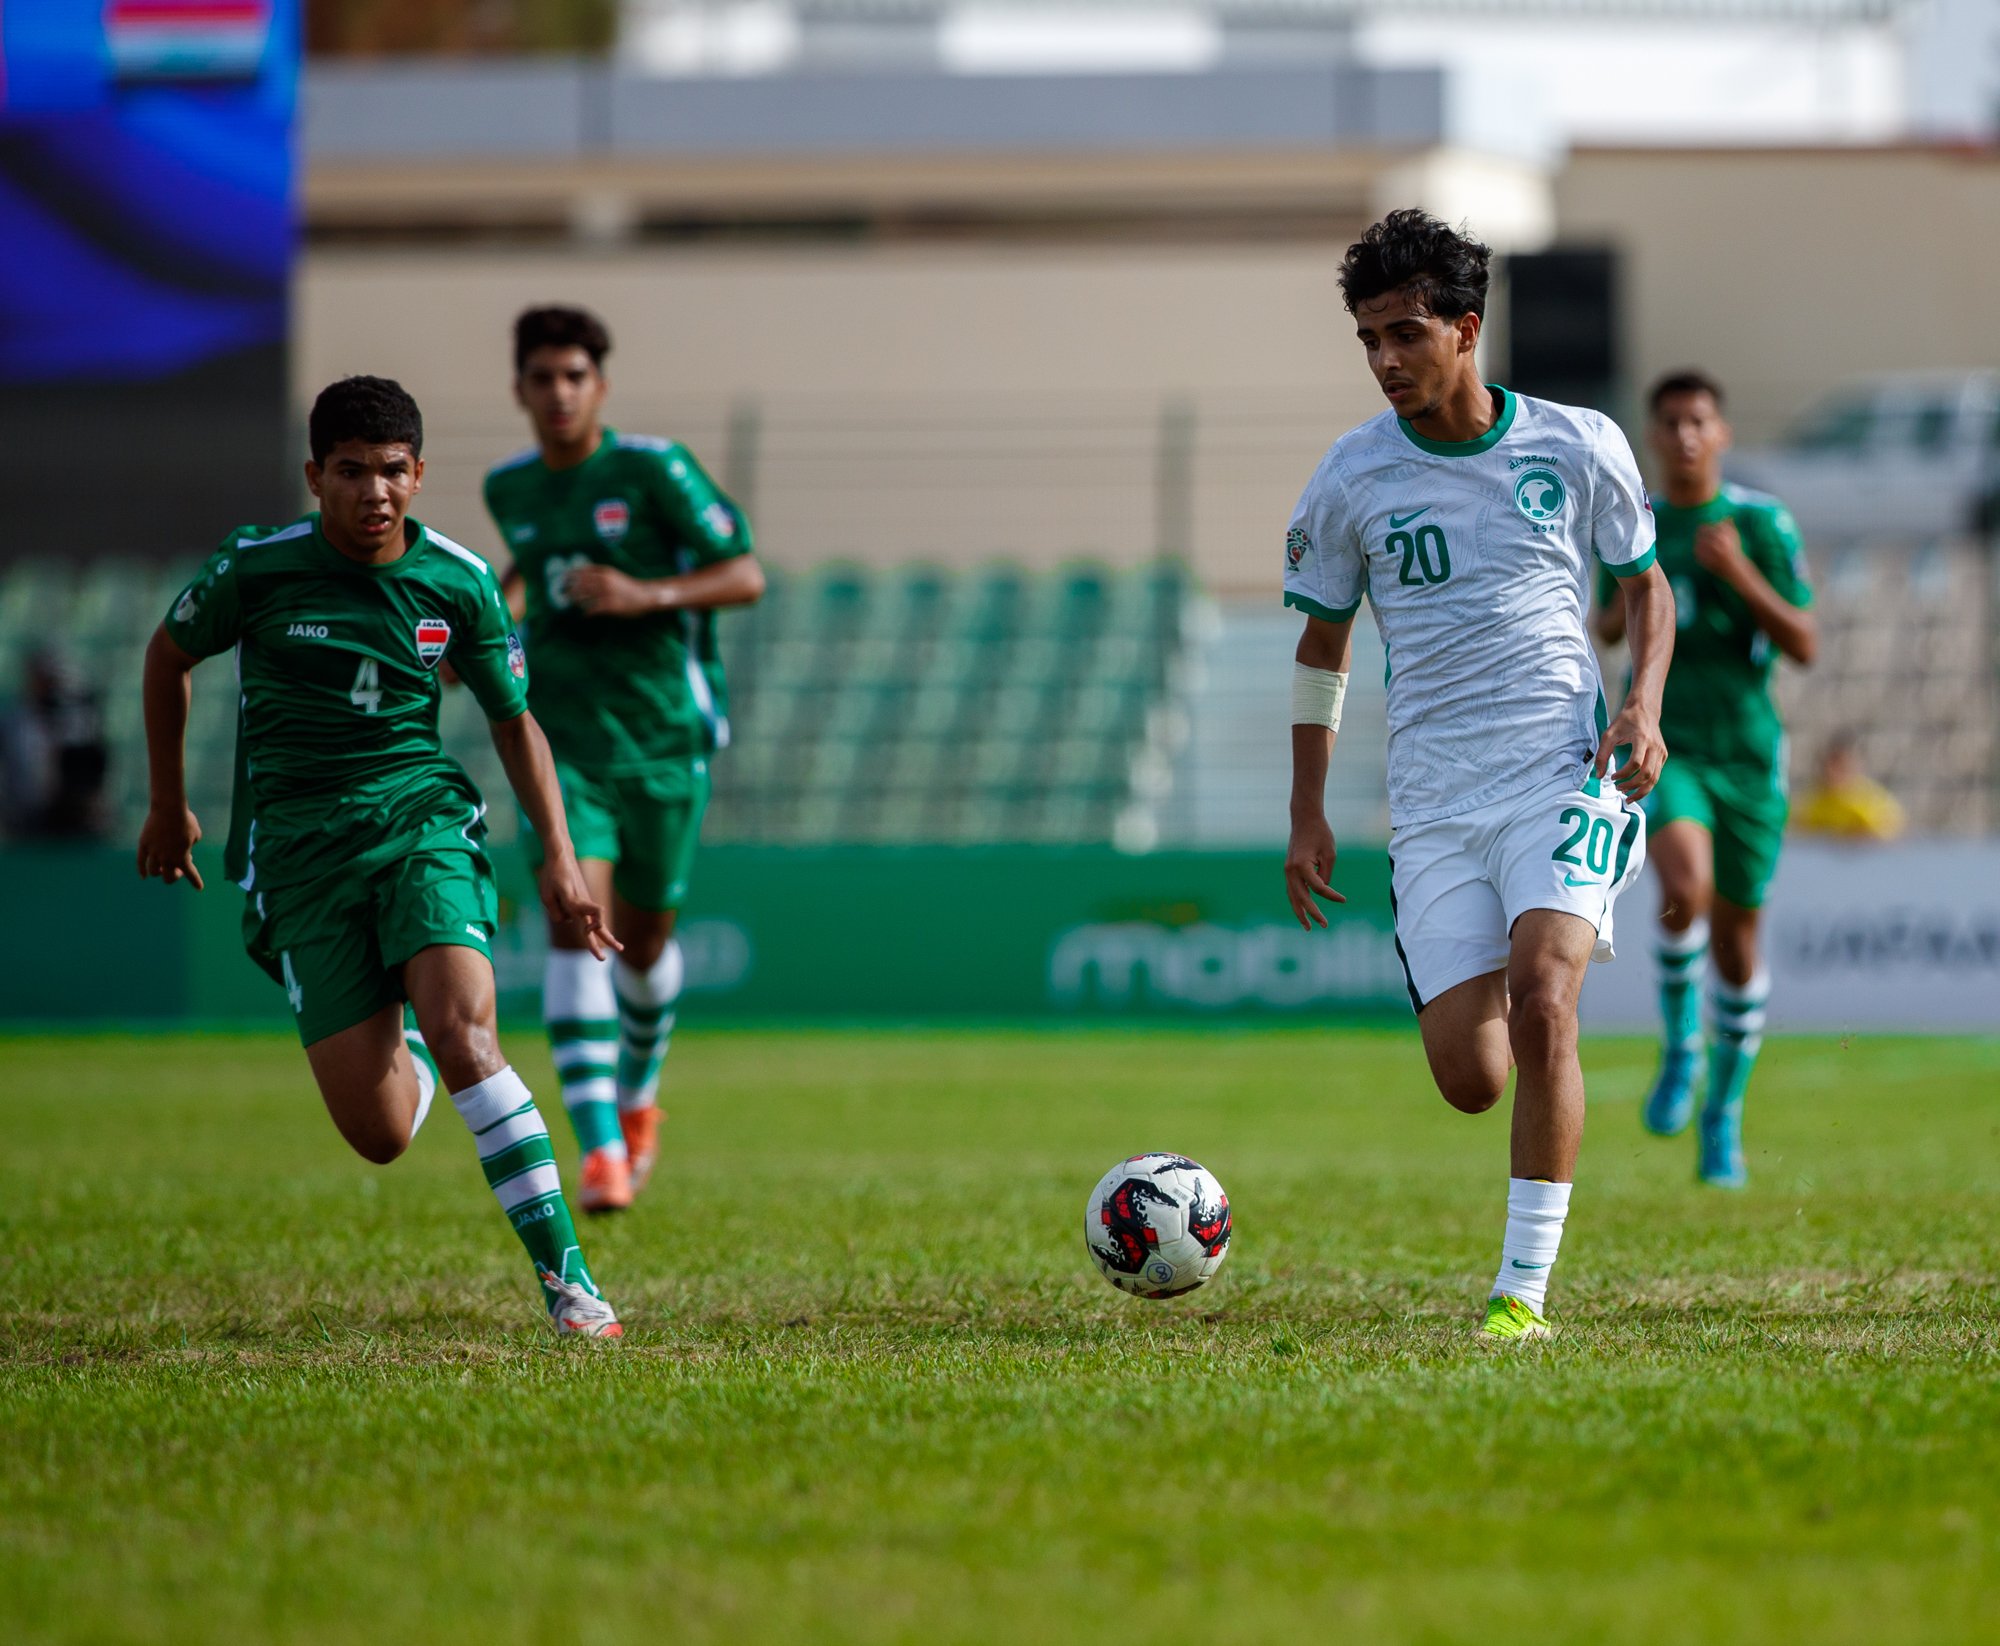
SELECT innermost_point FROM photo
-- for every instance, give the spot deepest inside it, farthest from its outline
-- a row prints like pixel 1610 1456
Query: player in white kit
pixel 1467 516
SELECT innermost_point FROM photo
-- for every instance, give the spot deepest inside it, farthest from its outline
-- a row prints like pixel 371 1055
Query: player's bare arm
pixel 604 591
pixel 531 771
pixel 167 838
pixel 1648 608
pixel 1329 648
pixel 1718 549
pixel 1608 621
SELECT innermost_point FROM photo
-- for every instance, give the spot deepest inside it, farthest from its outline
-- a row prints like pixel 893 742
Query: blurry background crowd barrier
pixel 1016 330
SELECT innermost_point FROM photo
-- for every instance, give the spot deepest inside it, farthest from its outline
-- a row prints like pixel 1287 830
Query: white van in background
pixel 1911 455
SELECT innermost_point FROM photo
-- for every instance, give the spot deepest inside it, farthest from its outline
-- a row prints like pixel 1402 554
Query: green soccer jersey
pixel 338 762
pixel 619 696
pixel 1717 708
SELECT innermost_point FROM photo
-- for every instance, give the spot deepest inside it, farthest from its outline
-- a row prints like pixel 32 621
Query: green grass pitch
pixel 252 1389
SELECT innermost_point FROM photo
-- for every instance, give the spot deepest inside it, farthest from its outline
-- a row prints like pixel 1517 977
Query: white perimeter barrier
pixel 1883 937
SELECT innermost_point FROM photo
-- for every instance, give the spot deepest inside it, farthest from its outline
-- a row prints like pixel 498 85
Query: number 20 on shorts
pixel 1593 834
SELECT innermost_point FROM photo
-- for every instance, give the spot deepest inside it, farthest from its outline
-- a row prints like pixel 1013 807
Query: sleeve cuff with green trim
pixel 1632 568
pixel 1312 608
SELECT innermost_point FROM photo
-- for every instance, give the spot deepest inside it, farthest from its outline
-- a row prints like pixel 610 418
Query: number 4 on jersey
pixel 367 693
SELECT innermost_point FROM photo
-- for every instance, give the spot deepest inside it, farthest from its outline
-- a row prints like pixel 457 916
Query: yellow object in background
pixel 1858 809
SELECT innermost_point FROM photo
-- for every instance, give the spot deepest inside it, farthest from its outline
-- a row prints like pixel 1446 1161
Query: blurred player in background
pixel 1717 819
pixel 357 838
pixel 1468 517
pixel 623 549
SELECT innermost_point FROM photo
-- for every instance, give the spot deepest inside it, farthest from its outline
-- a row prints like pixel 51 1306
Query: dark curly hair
pixel 376 410
pixel 556 327
pixel 1686 381
pixel 1444 271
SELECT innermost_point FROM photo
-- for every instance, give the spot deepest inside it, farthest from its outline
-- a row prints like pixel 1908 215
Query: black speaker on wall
pixel 1562 325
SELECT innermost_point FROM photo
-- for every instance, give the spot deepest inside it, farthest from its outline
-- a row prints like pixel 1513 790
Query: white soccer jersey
pixel 1475 557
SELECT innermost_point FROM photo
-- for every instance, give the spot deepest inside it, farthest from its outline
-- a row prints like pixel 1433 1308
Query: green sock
pixel 1738 1018
pixel 581 1013
pixel 520 1167
pixel 1682 957
pixel 645 1024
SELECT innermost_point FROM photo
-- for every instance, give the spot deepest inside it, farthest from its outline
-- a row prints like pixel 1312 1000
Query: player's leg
pixel 434 916
pixel 579 1011
pixel 374 1088
pixel 1544 979
pixel 1559 861
pixel 1465 1040
pixel 659 827
pixel 451 988
pixel 372 1067
pixel 1682 853
pixel 1749 833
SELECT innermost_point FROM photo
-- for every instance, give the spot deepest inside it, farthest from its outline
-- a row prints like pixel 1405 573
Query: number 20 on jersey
pixel 1425 556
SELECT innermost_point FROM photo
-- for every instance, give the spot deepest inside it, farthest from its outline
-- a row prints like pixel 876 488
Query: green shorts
pixel 338 943
pixel 1744 812
pixel 646 827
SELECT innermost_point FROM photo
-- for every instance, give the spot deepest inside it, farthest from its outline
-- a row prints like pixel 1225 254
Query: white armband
pixel 1316 696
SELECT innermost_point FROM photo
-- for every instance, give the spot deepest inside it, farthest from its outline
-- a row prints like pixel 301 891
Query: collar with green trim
pixel 1468 448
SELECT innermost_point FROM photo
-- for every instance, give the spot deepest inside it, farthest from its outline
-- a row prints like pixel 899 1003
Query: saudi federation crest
pixel 1540 494
pixel 612 518
pixel 1296 543
pixel 517 659
pixel 433 635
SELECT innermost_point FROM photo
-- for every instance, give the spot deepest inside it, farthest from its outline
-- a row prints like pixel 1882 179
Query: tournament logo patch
pixel 719 520
pixel 517 660
pixel 185 610
pixel 612 518
pixel 1540 494
pixel 1297 541
pixel 433 635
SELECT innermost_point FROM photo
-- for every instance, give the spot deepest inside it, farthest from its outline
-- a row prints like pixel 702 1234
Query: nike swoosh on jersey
pixel 1571 880
pixel 1396 520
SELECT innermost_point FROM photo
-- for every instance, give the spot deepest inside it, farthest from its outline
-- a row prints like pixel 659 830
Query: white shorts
pixel 1458 885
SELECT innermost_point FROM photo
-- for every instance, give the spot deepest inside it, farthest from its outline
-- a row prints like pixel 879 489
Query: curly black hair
pixel 1445 272
pixel 1686 381
pixel 556 327
pixel 376 410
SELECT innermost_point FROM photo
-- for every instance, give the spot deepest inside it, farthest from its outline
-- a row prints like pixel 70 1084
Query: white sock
pixel 427 1080
pixel 1535 1213
pixel 645 1023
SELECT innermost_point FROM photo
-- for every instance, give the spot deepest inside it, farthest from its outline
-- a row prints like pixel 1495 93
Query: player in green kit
pixel 623 549
pixel 357 840
pixel 1717 819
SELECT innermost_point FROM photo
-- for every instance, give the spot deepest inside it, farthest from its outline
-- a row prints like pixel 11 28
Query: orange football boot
pixel 642 1141
pixel 607 1182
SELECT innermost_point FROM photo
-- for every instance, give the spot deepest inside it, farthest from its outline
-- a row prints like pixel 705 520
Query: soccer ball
pixel 1157 1225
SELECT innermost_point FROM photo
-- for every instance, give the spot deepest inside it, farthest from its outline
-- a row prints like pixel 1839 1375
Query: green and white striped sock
pixel 1682 958
pixel 520 1167
pixel 1737 1014
pixel 581 1014
pixel 645 1024
pixel 427 1069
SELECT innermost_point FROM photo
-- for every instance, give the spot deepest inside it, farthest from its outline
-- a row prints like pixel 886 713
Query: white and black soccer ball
pixel 1157 1225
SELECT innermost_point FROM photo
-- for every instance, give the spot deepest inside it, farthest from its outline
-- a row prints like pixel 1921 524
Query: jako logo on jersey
pixel 1539 494
pixel 307 631
pixel 612 518
pixel 1297 541
pixel 433 635
pixel 517 660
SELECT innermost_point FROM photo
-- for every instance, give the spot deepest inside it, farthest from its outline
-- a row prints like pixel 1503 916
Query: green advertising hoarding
pixel 773 933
